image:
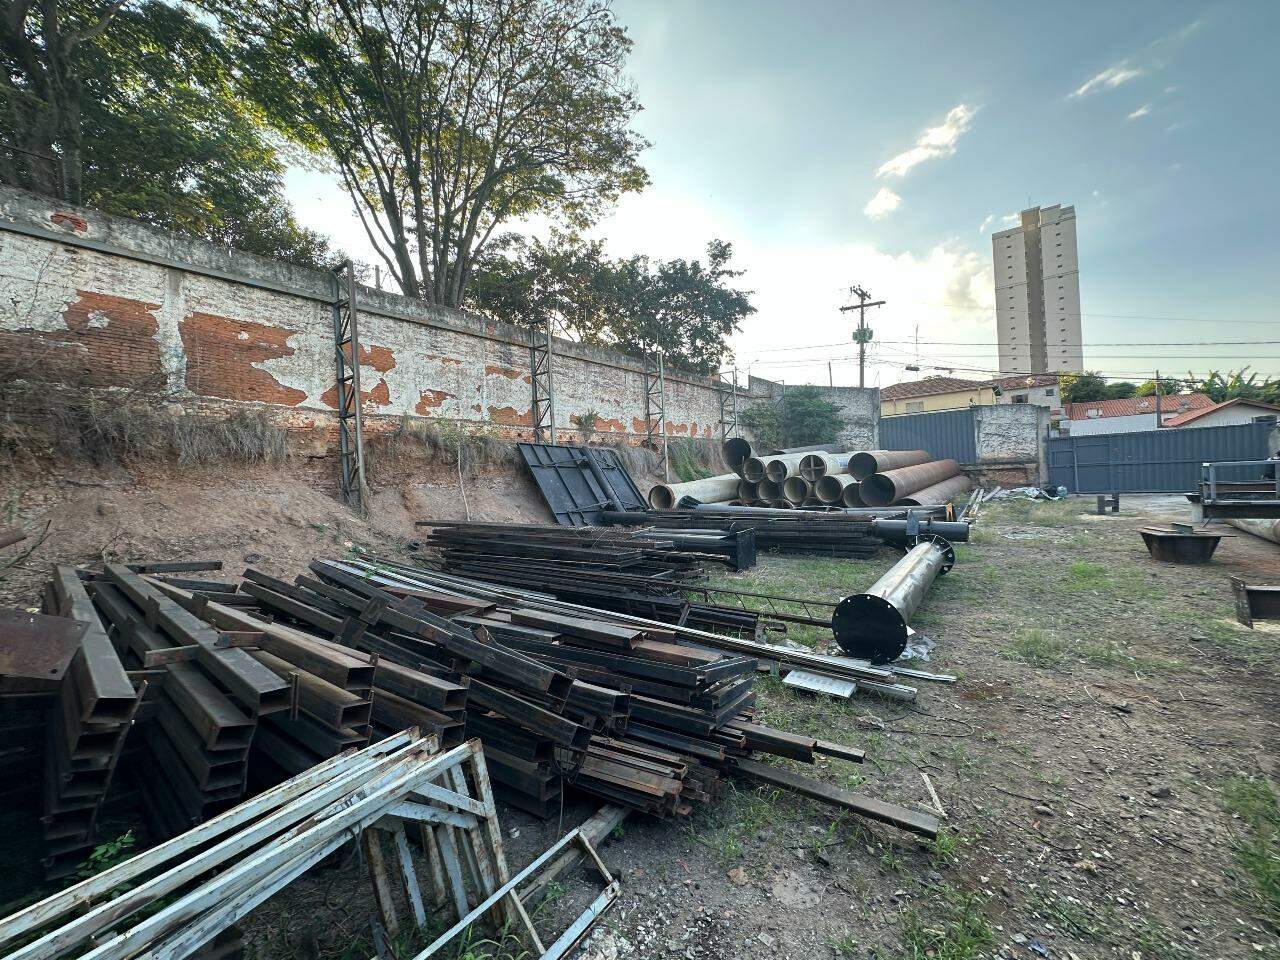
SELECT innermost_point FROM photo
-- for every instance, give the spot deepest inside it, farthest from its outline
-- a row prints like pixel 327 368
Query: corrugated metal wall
pixel 1153 461
pixel 945 434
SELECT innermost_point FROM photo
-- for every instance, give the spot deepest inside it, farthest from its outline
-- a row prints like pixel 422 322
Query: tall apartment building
pixel 1038 293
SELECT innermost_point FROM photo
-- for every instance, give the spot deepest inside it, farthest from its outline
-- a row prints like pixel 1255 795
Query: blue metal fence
pixel 1153 461
pixel 946 434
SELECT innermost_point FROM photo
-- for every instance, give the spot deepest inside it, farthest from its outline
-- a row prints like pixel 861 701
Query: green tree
pixel 1235 384
pixel 1091 386
pixel 805 415
pixel 149 126
pixel 1167 385
pixel 447 118
pixel 686 308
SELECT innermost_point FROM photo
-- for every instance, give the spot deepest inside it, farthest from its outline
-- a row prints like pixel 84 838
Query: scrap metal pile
pixel 227 688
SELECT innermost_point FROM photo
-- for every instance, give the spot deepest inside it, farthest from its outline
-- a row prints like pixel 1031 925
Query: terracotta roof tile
pixel 1136 406
pixel 1190 415
pixel 929 387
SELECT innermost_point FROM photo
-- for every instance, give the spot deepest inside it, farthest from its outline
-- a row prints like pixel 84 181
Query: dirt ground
pixel 1106 711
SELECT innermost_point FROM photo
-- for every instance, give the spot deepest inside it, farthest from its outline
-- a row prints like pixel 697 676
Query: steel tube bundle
pixel 866 462
pixel 943 492
pixel 884 489
pixel 873 625
pixel 779 468
pixel 831 488
pixel 664 496
pixel 817 465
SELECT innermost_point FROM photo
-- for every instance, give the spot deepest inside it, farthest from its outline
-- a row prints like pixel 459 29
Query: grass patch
pixel 1257 845
pixel 1104 924
pixel 955 927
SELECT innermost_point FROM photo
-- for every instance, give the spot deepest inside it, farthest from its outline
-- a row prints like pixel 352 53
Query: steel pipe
pixel 866 462
pixel 817 465
pixel 797 489
pixel 782 504
pixel 768 490
pixel 746 490
pixel 778 469
pixel 663 496
pixel 943 492
pixel 873 625
pixel 852 496
pixel 734 451
pixel 954 531
pixel 830 489
pixel 753 469
pixel 883 489
pixel 1267 529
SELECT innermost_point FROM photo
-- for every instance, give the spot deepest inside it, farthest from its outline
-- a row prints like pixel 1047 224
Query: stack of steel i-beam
pixel 94 709
pixel 205 695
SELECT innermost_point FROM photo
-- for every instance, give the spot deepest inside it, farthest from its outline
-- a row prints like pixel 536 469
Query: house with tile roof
pixel 935 393
pixel 1225 414
pixel 1130 414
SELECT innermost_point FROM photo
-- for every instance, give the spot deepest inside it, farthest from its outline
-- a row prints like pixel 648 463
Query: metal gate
pixel 1152 461
pixel 945 434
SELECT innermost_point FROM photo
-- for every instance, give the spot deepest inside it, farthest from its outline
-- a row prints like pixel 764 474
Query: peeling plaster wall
pixel 107 301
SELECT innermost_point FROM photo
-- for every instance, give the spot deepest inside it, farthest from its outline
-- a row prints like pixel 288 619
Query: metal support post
pixel 655 408
pixel 728 401
pixel 542 412
pixel 346 340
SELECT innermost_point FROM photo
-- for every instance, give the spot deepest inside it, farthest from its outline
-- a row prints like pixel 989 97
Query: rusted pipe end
pixel 813 467
pixel 662 497
pixel 877 490
pixel 870 628
pixel 862 465
pixel 734 452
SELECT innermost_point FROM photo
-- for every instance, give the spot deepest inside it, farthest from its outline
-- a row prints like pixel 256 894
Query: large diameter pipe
pixel 830 489
pixel 768 490
pixel 817 465
pixel 866 462
pixel 873 625
pixel 852 495
pixel 664 496
pixel 943 492
pixel 734 453
pixel 797 489
pixel 753 469
pixel 1267 529
pixel 778 469
pixel 883 489
pixel 746 490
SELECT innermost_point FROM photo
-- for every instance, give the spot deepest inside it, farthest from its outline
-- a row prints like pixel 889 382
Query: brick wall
pixel 106 301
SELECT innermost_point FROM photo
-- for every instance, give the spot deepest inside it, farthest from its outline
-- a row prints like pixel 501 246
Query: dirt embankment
pixel 274 518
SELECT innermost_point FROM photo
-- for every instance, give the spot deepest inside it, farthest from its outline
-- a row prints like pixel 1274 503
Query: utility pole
pixel 1159 419
pixel 862 335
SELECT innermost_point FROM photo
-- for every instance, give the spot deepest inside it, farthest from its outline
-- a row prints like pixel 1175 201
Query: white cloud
pixel 939 141
pixel 1142 111
pixel 1108 79
pixel 993 220
pixel 882 204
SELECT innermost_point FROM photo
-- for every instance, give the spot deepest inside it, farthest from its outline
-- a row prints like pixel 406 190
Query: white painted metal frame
pixel 269 841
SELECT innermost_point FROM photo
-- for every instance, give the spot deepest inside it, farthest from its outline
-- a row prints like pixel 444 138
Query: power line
pixel 1102 316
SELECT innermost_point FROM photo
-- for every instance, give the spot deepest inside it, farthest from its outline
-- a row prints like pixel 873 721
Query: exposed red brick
pixel 221 357
pixel 639 426
pixel 378 396
pixel 108 342
pixel 429 400
pixel 612 426
pixel 509 416
pixel 380 358
pixel 491 370
pixel 77 224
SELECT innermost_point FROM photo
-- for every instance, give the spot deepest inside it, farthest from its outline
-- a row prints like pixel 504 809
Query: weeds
pixel 442 441
pixel 955 928
pixel 1254 801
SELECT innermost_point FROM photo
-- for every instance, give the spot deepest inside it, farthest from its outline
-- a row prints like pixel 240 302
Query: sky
pixel 880 144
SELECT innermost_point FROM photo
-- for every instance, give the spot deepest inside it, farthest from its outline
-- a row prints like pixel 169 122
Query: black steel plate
pixel 35 650
pixel 573 489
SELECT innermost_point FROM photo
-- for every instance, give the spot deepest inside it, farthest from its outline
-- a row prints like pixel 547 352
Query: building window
pixel 915 406
pixel 1019 398
pixel 1048 391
